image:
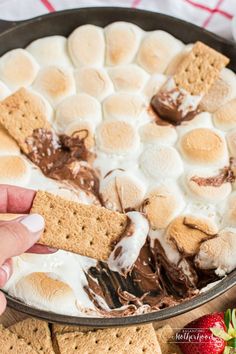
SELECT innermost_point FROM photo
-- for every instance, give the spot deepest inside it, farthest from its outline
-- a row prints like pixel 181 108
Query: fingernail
pixel 50 249
pixel 6 269
pixel 33 222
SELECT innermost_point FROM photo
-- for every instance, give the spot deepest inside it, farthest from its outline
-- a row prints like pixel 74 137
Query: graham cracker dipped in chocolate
pixel 179 98
pixel 88 230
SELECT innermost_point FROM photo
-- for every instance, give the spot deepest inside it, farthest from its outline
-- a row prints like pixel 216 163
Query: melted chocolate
pixel 167 108
pixel 225 175
pixel 64 158
pixel 153 283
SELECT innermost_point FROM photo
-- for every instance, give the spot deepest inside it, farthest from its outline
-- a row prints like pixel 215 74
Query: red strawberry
pixel 197 338
pixel 208 334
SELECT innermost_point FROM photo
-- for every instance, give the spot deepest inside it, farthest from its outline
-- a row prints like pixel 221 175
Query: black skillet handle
pixel 6 25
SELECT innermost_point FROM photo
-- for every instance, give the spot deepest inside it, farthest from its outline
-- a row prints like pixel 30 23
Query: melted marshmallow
pixel 128 248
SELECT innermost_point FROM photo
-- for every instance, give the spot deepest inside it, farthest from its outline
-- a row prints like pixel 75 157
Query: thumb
pixel 18 235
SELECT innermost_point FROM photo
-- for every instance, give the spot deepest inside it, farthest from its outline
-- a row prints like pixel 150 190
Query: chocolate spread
pixel 64 158
pixel 225 175
pixel 166 104
pixel 153 283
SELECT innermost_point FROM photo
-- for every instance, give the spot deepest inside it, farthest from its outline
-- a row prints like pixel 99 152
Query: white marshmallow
pixel 122 41
pixel 50 51
pixel 161 162
pixel 129 78
pixel 55 83
pixel 77 108
pixel 156 51
pixel 93 81
pixel 18 68
pixel 86 46
pixel 123 106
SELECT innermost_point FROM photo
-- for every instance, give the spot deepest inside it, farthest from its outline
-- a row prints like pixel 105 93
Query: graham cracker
pixel 20 114
pixel 164 337
pixel 36 333
pixel 125 340
pixel 88 230
pixel 199 69
pixel 61 329
pixel 11 343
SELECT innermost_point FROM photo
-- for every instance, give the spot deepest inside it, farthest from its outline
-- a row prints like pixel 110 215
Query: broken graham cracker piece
pixel 199 69
pixel 36 333
pixel 125 340
pixel 20 114
pixel 11 343
pixel 165 337
pixel 88 230
pixel 186 233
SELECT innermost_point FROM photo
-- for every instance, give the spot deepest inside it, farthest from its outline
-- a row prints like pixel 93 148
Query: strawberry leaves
pixel 220 333
pixel 230 335
pixel 227 318
pixel 234 318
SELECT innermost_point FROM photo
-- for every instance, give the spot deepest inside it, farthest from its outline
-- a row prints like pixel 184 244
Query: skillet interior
pixel 20 34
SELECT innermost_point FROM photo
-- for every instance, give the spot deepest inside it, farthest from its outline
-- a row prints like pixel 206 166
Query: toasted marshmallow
pixel 122 192
pixel 175 62
pixel 162 205
pixel 218 253
pixel 14 170
pixel 50 51
pixel 203 186
pixel 156 51
pixel 201 120
pixel 43 291
pixel 129 78
pixel 123 106
pixel 55 83
pixel 161 162
pixel 117 137
pixel 86 46
pixel 18 68
pixel 154 84
pixel 225 117
pixel 4 91
pixel 94 82
pixel 231 140
pixel 77 108
pixel 203 146
pixel 153 133
pixel 8 146
pixel 186 233
pixel 222 91
pixel 122 41
pixel 84 130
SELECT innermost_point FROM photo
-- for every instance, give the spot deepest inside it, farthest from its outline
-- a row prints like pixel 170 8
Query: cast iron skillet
pixel 19 34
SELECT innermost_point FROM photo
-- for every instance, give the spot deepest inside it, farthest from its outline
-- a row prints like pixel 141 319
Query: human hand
pixel 20 234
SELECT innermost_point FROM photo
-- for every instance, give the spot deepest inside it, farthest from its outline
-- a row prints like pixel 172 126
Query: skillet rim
pixel 6 28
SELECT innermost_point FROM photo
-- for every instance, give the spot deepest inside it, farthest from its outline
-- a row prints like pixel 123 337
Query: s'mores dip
pixel 129 139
